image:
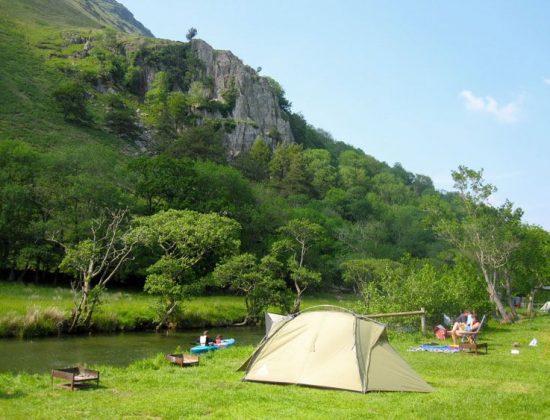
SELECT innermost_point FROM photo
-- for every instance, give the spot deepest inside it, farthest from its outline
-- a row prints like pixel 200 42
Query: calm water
pixel 42 354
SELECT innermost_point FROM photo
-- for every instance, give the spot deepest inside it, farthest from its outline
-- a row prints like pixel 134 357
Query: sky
pixel 429 84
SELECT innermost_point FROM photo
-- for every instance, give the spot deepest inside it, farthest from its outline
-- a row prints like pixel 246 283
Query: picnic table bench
pixel 77 376
pixel 183 359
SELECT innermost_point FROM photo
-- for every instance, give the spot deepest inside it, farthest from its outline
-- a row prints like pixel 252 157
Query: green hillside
pixel 98 117
pixel 95 14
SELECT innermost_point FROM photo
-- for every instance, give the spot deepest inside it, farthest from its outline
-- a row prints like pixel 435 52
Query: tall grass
pixel 23 305
pixel 36 321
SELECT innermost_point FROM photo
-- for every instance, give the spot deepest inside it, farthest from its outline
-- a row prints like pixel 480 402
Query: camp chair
pixel 469 342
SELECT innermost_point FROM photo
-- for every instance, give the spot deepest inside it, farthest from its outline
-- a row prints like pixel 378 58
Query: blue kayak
pixel 211 347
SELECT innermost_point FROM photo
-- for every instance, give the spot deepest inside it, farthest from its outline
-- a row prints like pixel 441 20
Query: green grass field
pixel 30 310
pixel 494 386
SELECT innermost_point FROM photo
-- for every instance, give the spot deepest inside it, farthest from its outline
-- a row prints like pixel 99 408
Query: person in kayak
pixel 204 339
pixel 218 339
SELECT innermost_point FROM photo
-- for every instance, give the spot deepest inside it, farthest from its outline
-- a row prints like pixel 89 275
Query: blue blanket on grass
pixel 435 348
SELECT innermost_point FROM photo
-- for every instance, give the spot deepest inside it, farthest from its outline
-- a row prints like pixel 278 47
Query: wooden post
pixel 423 321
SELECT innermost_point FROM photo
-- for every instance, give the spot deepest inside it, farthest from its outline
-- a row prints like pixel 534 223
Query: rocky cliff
pixel 257 111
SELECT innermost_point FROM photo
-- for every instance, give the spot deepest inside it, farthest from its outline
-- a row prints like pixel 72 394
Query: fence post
pixel 423 321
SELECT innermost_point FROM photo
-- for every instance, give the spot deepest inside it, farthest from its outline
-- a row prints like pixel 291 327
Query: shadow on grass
pixel 12 395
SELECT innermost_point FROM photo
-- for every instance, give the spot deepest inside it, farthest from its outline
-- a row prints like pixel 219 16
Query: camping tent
pixel 332 349
pixel 272 319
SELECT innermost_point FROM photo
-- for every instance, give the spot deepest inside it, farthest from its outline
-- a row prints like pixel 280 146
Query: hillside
pixel 94 14
pixel 97 116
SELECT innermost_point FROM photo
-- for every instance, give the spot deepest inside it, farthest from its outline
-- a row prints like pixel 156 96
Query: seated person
pixel 463 320
pixel 204 339
pixel 464 329
pixel 218 339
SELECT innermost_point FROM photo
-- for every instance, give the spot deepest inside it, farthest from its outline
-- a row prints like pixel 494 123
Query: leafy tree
pixel 288 170
pixel 189 245
pixel 351 168
pixel 156 101
pixel 279 92
pixel 390 189
pixel 260 283
pixel 366 239
pixel 120 118
pixel 299 235
pixel 481 232
pixel 178 106
pixel 95 261
pixel 364 275
pixel 191 33
pixel 164 182
pixel 254 163
pixel 72 98
pixel 222 189
pixel 320 170
pixel 202 143
pixel 19 213
pixel 133 80
pixel 529 265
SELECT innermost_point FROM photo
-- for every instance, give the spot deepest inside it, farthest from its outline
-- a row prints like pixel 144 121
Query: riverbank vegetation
pixel 28 310
pixel 498 385
pixel 99 124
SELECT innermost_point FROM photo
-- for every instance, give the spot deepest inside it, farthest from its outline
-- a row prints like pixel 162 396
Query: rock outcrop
pixel 257 111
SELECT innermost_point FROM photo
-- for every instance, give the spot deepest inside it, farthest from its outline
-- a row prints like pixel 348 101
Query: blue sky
pixel 429 84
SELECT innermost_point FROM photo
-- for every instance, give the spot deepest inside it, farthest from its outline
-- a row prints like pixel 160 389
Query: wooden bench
pixel 183 359
pixel 77 376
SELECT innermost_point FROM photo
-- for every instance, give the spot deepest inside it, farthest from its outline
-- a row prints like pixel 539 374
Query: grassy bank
pixel 31 310
pixel 498 385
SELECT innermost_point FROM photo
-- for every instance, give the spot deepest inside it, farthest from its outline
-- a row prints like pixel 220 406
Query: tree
pixel 254 163
pixel 299 235
pixel 120 118
pixel 481 232
pixel 95 261
pixel 321 172
pixel 288 170
pixel 530 263
pixel 199 143
pixel 279 93
pixel 19 213
pixel 361 273
pixel 72 98
pixel 188 245
pixel 163 182
pixel 260 283
pixel 191 33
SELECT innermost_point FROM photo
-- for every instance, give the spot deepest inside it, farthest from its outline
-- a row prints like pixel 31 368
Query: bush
pixel 72 98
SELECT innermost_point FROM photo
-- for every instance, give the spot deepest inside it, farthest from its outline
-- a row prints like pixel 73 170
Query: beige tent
pixel 332 349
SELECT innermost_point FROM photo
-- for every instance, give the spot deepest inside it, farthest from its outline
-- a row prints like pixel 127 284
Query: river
pixel 40 355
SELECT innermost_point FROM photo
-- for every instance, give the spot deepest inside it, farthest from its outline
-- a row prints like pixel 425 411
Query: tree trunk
pixel 495 298
pixel 530 304
pixel 296 305
pixel 508 288
pixel 82 306
pixel 165 317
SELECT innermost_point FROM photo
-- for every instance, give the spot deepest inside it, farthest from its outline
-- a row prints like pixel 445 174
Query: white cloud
pixel 508 113
pixel 546 81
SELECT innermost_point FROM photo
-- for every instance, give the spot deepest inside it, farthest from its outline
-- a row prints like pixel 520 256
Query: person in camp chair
pixel 464 329
pixel 463 321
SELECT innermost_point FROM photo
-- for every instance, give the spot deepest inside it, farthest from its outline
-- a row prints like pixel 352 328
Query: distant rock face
pixel 256 112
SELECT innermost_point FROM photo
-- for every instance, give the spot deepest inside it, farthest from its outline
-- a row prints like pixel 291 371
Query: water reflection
pixel 43 354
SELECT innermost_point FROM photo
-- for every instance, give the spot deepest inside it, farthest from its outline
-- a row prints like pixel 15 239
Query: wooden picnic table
pixel 77 376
